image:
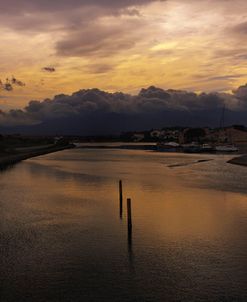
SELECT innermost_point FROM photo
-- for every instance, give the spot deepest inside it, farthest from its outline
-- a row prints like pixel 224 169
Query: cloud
pixel 124 44
pixel 16 82
pixel 90 111
pixel 241 93
pixel 9 84
pixel 240 28
pixel 99 68
pixel 41 15
pixel 101 38
pixel 16 118
pixel 19 6
pixel 81 28
pixel 226 77
pixel 49 69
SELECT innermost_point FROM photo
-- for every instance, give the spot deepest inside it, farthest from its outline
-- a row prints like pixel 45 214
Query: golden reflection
pixel 163 203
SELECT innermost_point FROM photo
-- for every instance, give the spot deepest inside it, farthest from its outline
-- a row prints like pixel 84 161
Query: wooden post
pixel 129 231
pixel 129 214
pixel 120 199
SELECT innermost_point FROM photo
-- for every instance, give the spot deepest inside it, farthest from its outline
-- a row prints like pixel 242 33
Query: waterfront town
pixel 170 139
pixel 176 136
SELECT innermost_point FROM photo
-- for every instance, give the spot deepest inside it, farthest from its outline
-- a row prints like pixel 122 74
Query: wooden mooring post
pixel 129 231
pixel 129 215
pixel 121 198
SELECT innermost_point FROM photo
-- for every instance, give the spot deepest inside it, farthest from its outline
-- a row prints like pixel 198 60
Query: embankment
pixel 12 159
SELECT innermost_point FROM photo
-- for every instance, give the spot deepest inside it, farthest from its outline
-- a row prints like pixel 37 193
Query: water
pixel 62 238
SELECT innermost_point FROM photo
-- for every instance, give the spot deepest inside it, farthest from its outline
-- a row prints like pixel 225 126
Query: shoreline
pixel 240 160
pixel 13 159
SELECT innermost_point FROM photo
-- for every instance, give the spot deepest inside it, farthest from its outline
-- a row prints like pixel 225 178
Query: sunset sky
pixel 61 46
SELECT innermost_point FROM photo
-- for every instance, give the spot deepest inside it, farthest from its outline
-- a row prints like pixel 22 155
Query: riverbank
pixel 241 160
pixel 11 159
pixel 133 146
pixel 153 147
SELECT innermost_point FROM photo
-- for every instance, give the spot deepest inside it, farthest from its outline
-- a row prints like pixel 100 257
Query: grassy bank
pixel 11 159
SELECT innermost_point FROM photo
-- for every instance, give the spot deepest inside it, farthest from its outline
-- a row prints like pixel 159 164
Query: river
pixel 62 237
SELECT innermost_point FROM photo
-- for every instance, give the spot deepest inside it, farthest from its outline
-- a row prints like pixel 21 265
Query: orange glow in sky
pixel 124 46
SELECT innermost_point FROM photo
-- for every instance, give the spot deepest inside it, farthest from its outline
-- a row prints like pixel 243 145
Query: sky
pixel 63 46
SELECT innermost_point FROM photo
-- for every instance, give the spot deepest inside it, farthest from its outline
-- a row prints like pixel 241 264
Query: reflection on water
pixel 65 235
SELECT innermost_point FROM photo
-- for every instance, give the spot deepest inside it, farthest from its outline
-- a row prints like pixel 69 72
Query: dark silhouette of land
pixel 15 148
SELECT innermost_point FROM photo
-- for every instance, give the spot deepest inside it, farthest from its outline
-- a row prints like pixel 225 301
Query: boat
pixel 207 148
pixel 192 148
pixel 226 148
pixel 168 147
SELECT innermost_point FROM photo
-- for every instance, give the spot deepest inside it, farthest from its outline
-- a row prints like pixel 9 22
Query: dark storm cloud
pixel 93 110
pixel 241 93
pixel 15 118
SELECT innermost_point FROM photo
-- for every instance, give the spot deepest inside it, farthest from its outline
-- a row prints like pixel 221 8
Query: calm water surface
pixel 62 238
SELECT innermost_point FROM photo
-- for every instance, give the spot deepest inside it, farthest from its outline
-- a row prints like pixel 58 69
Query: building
pixel 237 135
